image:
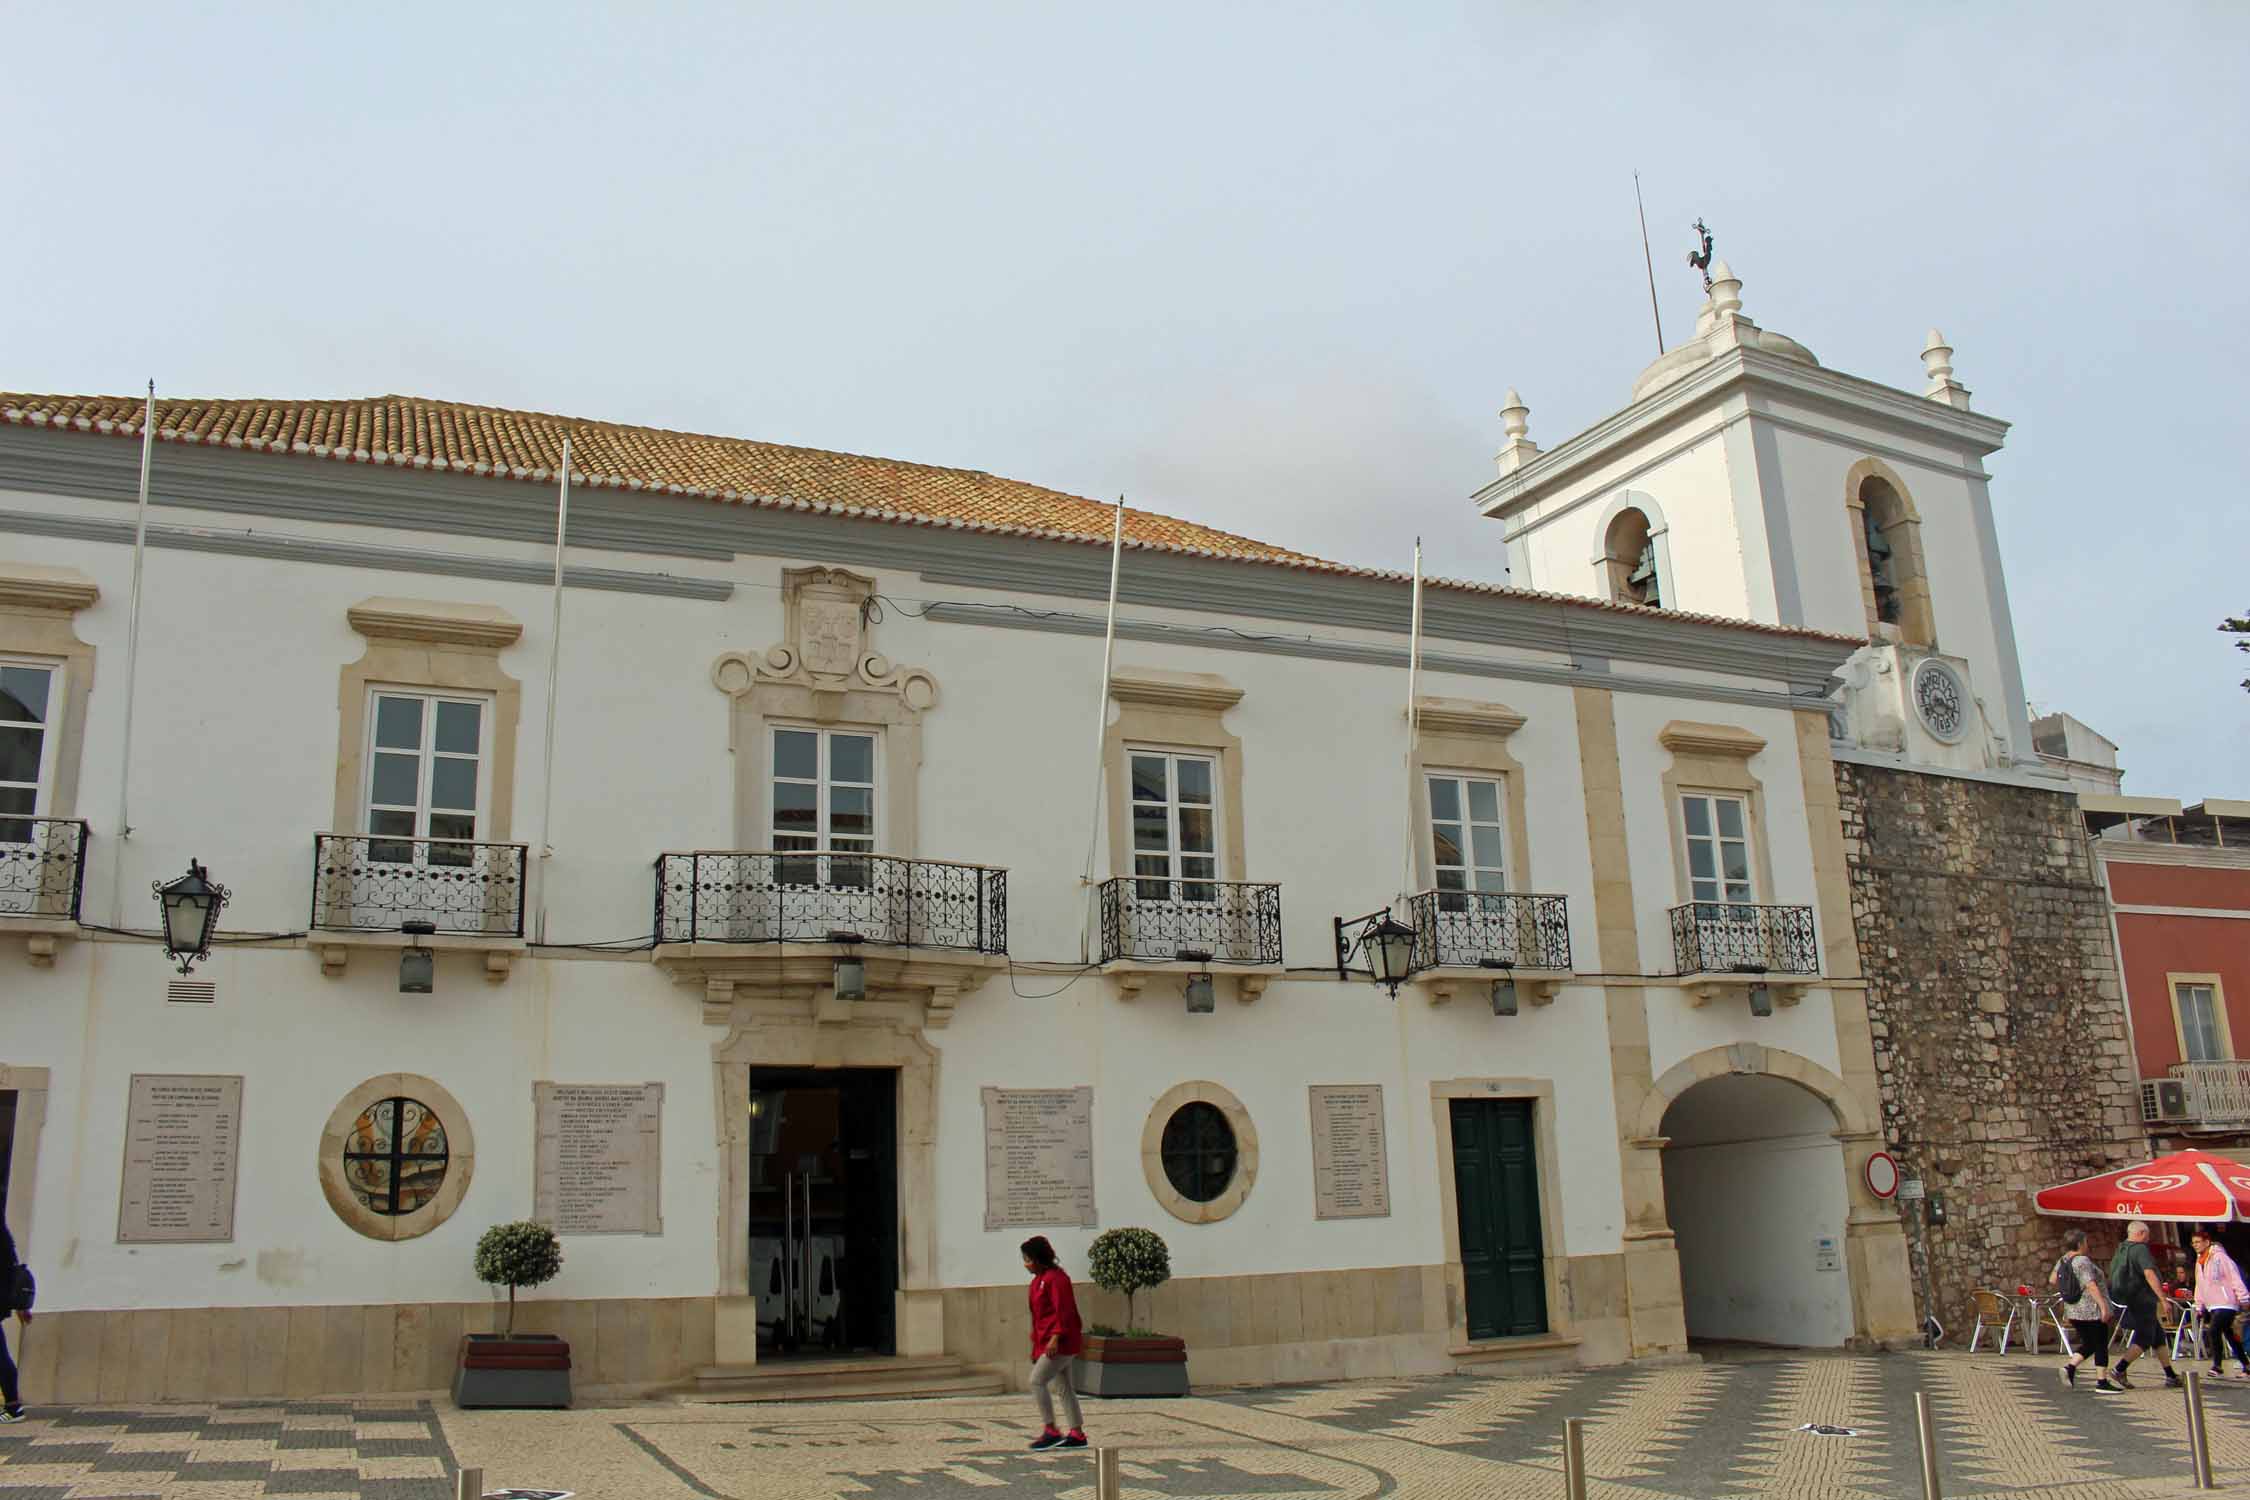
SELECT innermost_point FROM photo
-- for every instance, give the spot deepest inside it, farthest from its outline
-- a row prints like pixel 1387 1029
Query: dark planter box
pixel 1131 1367
pixel 528 1369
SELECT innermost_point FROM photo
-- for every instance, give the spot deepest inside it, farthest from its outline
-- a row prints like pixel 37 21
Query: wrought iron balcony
pixel 1489 929
pixel 1733 937
pixel 42 867
pixel 1220 921
pixel 809 896
pixel 375 883
pixel 2199 1095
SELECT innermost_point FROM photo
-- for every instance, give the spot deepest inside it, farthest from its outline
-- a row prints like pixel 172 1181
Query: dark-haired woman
pixel 1056 1338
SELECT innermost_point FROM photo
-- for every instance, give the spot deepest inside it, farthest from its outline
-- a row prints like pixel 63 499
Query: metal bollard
pixel 1574 1457
pixel 2199 1438
pixel 468 1484
pixel 1931 1489
pixel 1106 1483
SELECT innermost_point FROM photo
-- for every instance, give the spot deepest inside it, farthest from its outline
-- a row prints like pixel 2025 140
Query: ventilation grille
pixel 191 992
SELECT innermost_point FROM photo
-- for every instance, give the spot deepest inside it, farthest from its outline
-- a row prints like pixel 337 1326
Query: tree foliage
pixel 1129 1261
pixel 2241 627
pixel 518 1254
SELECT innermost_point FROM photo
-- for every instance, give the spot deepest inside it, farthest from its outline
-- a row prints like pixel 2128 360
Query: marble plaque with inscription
pixel 1351 1169
pixel 183 1138
pixel 597 1159
pixel 1039 1158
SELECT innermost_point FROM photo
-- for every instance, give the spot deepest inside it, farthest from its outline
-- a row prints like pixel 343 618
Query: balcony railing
pixel 1732 937
pixel 42 867
pixel 810 896
pixel 1487 929
pixel 1216 921
pixel 373 883
pixel 2199 1093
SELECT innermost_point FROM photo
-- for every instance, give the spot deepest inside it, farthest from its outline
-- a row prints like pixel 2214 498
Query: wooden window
pixel 823 798
pixel 1468 834
pixel 2199 1011
pixel 1718 847
pixel 425 776
pixel 30 711
pixel 1175 825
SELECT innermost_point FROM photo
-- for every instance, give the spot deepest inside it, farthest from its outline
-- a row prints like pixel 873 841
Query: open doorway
pixel 824 1253
pixel 1755 1186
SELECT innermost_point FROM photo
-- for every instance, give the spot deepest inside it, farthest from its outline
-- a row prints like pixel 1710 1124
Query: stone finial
pixel 1726 290
pixel 1937 361
pixel 1515 423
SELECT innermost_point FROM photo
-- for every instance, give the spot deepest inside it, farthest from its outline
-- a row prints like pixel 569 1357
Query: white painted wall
pixel 234 764
pixel 1753 1179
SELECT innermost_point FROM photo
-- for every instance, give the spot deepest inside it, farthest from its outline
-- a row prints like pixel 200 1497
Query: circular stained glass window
pixel 395 1156
pixel 1198 1151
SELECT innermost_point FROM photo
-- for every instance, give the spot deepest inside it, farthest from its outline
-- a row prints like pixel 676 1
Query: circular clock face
pixel 1941 700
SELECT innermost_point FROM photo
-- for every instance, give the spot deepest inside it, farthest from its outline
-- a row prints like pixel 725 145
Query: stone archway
pixel 1874 1244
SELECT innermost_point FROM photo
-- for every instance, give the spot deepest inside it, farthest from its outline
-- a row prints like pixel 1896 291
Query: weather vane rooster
pixel 1701 259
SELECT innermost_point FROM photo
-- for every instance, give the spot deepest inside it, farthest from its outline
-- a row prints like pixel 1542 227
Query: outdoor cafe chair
pixel 1995 1310
pixel 2177 1319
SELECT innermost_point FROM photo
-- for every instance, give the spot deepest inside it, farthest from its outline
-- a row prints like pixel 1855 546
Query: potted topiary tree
pixel 1130 1361
pixel 507 1368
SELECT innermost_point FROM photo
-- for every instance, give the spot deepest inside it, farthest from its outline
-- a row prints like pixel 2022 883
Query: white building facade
pixel 810 741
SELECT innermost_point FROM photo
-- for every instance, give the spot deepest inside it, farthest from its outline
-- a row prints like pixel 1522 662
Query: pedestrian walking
pixel 1056 1338
pixel 2139 1296
pixel 2090 1311
pixel 16 1293
pixel 2220 1297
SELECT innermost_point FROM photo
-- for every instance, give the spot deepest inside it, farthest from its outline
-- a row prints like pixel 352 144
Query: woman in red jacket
pixel 1056 1338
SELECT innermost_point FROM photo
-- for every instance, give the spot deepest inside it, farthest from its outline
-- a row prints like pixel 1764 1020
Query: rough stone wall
pixel 1999 1025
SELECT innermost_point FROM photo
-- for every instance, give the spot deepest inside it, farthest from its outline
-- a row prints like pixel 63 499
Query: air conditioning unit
pixel 2163 1099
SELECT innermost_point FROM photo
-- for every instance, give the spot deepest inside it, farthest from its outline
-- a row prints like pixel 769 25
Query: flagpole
pixel 1101 725
pixel 554 677
pixel 1413 717
pixel 132 663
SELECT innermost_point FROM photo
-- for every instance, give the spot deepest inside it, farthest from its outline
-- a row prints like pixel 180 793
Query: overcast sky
pixel 1267 267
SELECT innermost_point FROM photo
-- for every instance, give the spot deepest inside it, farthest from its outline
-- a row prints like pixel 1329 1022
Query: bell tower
pixel 1746 480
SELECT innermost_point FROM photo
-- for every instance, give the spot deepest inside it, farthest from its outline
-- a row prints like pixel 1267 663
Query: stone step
pixel 862 1379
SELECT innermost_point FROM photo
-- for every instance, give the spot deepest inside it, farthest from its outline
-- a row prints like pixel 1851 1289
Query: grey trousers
pixel 1050 1378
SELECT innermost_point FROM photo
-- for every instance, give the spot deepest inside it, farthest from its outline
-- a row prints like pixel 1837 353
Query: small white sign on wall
pixel 1828 1255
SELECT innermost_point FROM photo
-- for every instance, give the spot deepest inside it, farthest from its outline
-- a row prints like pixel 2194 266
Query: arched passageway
pixel 1756 1191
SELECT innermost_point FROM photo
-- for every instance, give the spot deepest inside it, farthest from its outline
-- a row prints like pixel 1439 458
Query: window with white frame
pixel 30 714
pixel 1175 825
pixel 823 798
pixel 425 775
pixel 1466 837
pixel 2203 1031
pixel 1718 847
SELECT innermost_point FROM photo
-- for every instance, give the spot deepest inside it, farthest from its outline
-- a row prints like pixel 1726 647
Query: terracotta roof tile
pixel 416 432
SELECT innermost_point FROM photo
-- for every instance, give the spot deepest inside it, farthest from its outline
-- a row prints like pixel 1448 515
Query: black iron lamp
pixel 851 969
pixel 1386 943
pixel 417 965
pixel 191 904
pixel 1202 998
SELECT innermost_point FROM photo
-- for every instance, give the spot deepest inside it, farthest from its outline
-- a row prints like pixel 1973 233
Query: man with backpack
pixel 2078 1282
pixel 2134 1287
pixel 16 1291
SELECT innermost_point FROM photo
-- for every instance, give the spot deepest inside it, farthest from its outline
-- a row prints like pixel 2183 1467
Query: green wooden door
pixel 1496 1185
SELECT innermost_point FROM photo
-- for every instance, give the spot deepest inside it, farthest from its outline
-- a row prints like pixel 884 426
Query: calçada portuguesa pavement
pixel 2008 1427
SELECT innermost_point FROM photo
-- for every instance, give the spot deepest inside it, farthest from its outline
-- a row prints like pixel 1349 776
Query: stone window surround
pixel 1917 625
pixel 2172 982
pixel 1554 1263
pixel 38 609
pixel 30 1086
pixel 461 1156
pixel 1464 735
pixel 1715 758
pixel 1174 1202
pixel 433 647
pixel 1659 536
pixel 1159 709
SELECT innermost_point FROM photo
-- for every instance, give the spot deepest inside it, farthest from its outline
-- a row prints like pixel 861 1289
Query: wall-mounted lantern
pixel 1202 997
pixel 1386 944
pixel 417 965
pixel 191 904
pixel 851 969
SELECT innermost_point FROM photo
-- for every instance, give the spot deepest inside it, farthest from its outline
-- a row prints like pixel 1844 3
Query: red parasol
pixel 2184 1187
